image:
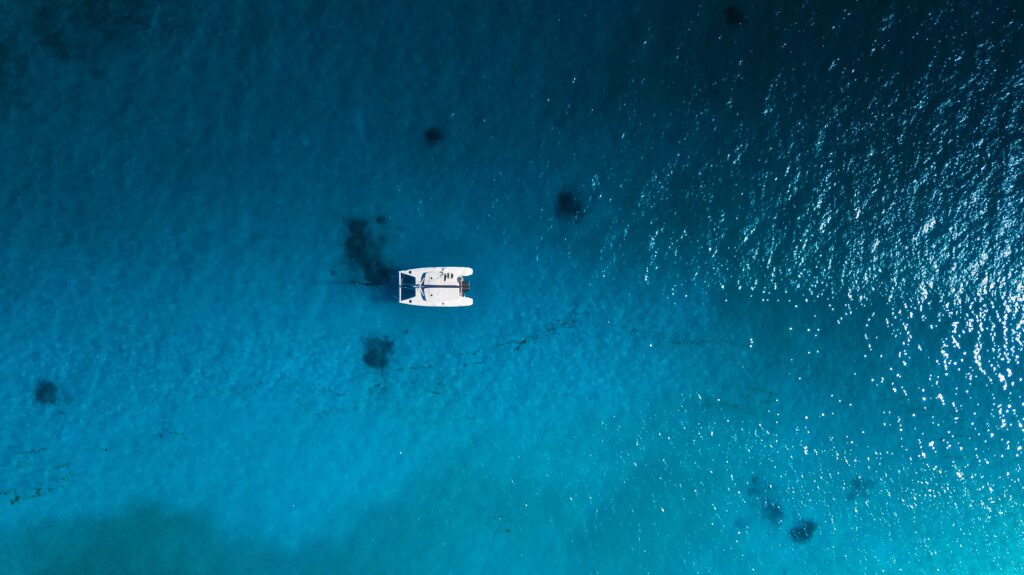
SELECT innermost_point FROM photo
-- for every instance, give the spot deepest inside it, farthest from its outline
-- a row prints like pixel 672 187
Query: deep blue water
pixel 773 326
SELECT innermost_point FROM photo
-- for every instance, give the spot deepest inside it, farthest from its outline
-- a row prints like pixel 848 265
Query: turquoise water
pixel 774 325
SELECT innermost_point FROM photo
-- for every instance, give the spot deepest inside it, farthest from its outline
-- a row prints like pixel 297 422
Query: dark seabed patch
pixel 803 531
pixel 433 136
pixel 5 56
pixel 151 539
pixel 771 510
pixel 46 392
pixel 70 29
pixel 858 488
pixel 735 16
pixel 568 206
pixel 377 351
pixel 364 248
pixel 760 494
pixel 15 64
pixel 49 26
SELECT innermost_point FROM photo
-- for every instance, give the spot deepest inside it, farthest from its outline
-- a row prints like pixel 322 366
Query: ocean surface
pixel 749 287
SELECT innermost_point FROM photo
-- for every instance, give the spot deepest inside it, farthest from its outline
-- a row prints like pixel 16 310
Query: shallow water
pixel 787 288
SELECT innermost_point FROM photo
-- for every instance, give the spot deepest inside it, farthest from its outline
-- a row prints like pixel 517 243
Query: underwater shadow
pixel 454 499
pixel 71 30
pixel 364 248
pixel 152 539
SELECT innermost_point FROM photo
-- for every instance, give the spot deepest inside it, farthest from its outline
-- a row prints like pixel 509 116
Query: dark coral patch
pixel 858 488
pixel 377 351
pixel 69 29
pixel 568 206
pixel 803 531
pixel 735 16
pixel 771 510
pixel 5 56
pixel 760 493
pixel 46 392
pixel 364 249
pixel 756 487
pixel 433 136
pixel 49 28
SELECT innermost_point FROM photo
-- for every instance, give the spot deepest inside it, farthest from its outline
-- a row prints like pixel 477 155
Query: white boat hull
pixel 435 287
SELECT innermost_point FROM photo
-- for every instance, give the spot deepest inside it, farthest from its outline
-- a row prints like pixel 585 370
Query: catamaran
pixel 435 287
